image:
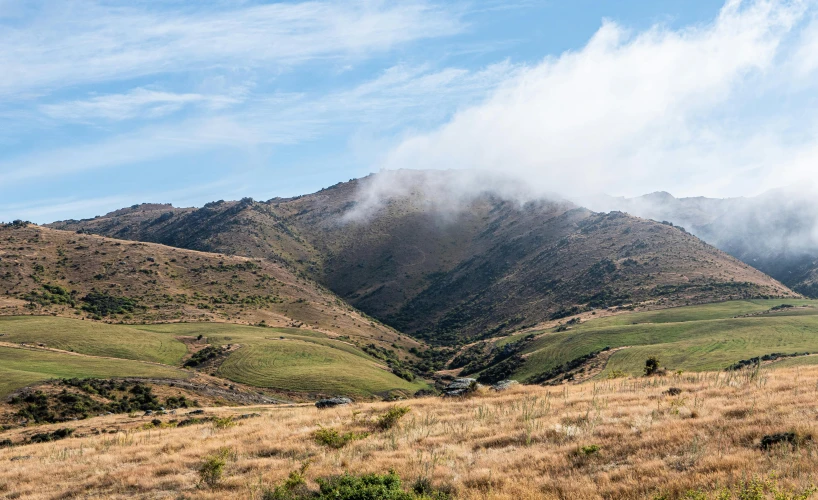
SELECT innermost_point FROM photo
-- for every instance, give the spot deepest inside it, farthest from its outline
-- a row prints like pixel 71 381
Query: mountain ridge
pixel 489 267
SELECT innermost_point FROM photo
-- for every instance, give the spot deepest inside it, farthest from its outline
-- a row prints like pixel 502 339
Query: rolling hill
pixel 76 305
pixel 706 337
pixel 45 271
pixel 450 271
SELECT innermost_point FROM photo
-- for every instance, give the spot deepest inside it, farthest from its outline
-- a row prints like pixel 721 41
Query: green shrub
pixel 212 469
pixel 590 449
pixel 390 419
pixel 223 422
pixel 103 304
pixel 293 488
pixel 334 439
pixel 651 366
pixel 369 486
pixel 46 437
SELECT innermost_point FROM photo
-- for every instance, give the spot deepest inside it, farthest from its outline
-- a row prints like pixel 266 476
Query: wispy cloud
pixel 398 96
pixel 76 42
pixel 139 102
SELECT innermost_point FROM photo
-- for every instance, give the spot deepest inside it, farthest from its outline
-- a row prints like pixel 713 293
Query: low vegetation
pixel 83 398
pixel 745 434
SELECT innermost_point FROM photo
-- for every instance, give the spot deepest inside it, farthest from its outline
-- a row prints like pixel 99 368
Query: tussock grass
pixel 614 439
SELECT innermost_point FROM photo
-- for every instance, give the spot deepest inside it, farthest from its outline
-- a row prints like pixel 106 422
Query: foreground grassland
pixel 625 438
pixel 695 338
pixel 291 360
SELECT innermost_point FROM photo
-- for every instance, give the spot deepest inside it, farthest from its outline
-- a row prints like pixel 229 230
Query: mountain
pixel 51 272
pixel 447 267
pixel 775 232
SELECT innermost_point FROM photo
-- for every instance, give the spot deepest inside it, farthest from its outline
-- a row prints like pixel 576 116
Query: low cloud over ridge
pixel 703 110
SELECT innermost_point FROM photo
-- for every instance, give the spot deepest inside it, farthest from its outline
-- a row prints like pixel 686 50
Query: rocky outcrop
pixel 332 402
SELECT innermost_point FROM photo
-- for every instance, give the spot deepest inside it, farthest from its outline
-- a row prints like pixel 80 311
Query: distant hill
pixel 47 271
pixel 453 270
pixel 776 232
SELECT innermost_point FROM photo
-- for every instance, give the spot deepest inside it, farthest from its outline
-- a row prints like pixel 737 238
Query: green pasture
pixel 694 338
pixel 20 367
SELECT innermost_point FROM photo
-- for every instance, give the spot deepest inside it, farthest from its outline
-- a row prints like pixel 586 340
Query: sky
pixel 105 104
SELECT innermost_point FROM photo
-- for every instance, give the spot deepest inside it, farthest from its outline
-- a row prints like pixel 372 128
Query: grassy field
pixel 708 337
pixel 293 360
pixel 300 366
pixel 20 367
pixel 94 339
pixel 622 439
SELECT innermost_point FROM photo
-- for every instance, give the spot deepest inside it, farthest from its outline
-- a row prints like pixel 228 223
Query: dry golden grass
pixel 524 443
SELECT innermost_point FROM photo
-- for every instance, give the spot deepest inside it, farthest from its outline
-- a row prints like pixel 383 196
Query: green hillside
pixel 293 360
pixel 697 338
pixel 92 338
pixel 20 367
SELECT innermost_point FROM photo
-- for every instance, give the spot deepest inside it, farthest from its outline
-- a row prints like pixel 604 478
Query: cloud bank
pixel 717 109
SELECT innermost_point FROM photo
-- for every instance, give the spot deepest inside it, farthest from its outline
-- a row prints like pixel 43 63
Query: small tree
pixel 651 366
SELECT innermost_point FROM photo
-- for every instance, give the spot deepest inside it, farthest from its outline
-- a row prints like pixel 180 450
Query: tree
pixel 651 366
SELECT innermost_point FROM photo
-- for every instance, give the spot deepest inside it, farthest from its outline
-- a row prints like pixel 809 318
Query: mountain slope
pixel 450 269
pixel 776 232
pixel 47 271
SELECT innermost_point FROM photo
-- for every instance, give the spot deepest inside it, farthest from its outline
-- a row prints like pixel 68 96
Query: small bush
pixel 212 469
pixel 589 450
pixel 46 437
pixel 223 422
pixel 784 438
pixel 369 486
pixel 293 488
pixel 390 419
pixel 651 366
pixel 334 439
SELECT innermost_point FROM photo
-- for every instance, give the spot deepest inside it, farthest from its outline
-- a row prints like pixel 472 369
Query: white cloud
pixel 693 110
pixel 139 102
pixel 83 41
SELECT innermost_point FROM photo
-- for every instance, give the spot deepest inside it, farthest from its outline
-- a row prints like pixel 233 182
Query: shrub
pixel 206 354
pixel 293 488
pixel 348 487
pixel 390 419
pixel 102 304
pixel 212 469
pixel 46 437
pixel 651 366
pixel 223 422
pixel 589 450
pixel 334 439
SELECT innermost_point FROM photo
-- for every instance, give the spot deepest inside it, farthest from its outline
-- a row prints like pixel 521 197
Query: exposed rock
pixel 195 412
pixel 503 385
pixel 460 387
pixel 332 402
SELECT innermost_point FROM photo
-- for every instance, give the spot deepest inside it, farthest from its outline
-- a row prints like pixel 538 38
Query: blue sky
pixel 104 104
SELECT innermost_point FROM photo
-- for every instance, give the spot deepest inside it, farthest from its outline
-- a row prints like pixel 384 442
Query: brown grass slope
pixel 616 439
pixel 488 267
pixel 169 284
